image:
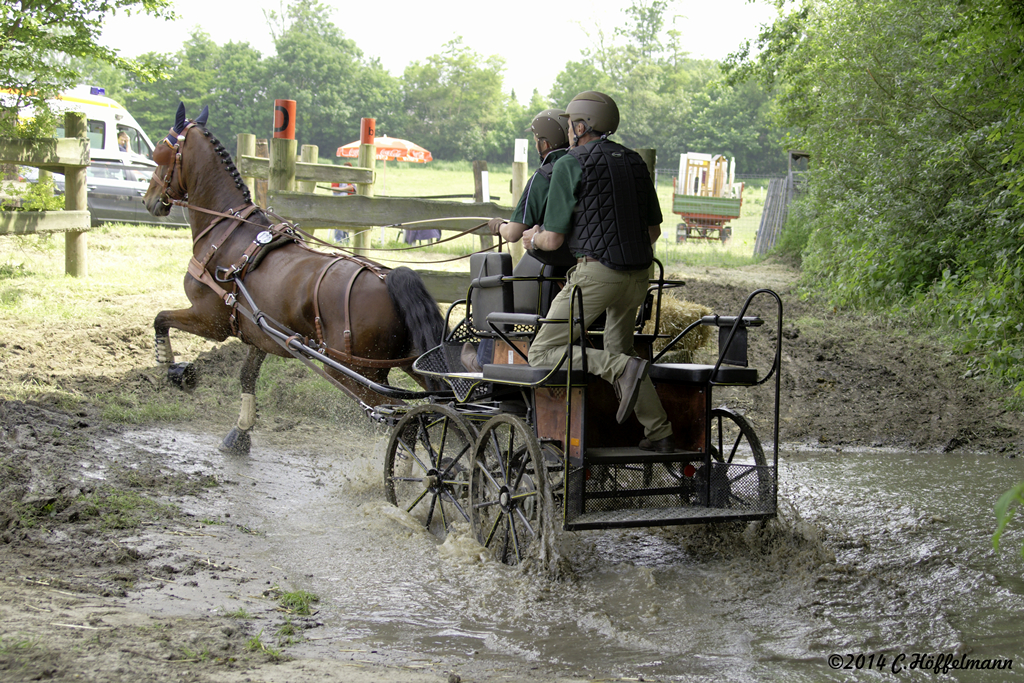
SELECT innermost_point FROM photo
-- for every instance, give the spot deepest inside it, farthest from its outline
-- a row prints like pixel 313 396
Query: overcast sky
pixel 536 37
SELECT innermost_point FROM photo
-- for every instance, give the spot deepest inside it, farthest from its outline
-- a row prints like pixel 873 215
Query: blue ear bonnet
pixel 180 122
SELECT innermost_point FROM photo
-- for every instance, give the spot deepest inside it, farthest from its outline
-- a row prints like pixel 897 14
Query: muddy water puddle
pixel 873 553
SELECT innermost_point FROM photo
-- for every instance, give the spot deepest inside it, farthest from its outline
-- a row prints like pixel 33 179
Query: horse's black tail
pixel 416 308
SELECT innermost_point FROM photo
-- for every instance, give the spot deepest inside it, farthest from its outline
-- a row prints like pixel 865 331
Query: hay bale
pixel 676 315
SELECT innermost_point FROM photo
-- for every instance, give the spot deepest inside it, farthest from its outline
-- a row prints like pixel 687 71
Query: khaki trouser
pixel 618 293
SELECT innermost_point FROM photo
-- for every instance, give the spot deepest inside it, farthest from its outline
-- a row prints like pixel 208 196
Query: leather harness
pixel 273 236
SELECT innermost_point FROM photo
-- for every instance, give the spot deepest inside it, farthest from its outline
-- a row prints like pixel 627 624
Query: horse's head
pixel 186 159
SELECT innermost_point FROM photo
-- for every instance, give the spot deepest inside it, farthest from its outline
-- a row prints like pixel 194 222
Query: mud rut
pixel 103 591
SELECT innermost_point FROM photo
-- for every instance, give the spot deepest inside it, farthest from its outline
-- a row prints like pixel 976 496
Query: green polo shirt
pixel 565 183
pixel 530 210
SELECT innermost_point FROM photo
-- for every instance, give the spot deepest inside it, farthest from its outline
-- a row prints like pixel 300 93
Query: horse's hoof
pixel 237 442
pixel 183 375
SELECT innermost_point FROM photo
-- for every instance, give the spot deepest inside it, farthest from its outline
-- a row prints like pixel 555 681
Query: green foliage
pixel 1006 506
pixel 793 239
pixel 670 102
pixel 456 107
pixel 910 110
pixel 37 196
pixel 256 644
pixel 41 43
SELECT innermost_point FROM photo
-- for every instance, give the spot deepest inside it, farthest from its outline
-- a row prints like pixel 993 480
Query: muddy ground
pixel 116 561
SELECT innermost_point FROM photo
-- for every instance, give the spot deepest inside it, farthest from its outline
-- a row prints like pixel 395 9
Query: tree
pixel 911 112
pixel 456 107
pixel 326 74
pixel 669 101
pixel 38 42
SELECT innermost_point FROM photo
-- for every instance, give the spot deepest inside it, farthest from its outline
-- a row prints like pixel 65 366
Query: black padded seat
pixel 527 374
pixel 691 373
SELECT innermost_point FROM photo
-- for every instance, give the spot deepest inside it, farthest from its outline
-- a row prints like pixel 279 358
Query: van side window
pixel 136 143
pixel 97 133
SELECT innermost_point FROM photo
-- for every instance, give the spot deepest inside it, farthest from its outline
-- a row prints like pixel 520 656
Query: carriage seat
pixel 495 288
pixel 692 373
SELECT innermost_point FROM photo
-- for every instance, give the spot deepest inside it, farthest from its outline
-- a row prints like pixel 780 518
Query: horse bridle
pixel 169 155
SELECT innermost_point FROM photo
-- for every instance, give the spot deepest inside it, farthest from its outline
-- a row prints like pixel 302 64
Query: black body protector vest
pixel 561 259
pixel 610 220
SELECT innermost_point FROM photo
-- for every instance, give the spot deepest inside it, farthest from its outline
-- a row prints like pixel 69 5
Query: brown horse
pixel 359 314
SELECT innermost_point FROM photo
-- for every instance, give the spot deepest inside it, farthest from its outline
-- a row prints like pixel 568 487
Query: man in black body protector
pixel 603 205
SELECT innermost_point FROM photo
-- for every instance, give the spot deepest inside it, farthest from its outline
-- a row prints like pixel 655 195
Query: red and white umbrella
pixel 390 149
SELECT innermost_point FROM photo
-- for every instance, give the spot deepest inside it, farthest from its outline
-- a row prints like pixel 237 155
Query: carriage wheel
pixel 427 464
pixel 739 476
pixel 507 489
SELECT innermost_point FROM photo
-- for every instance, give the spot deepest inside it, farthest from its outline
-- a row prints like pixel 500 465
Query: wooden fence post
pixel 519 178
pixel 246 146
pixel 282 165
pixel 282 147
pixel 481 194
pixel 309 154
pixel 76 262
pixel 260 191
pixel 367 159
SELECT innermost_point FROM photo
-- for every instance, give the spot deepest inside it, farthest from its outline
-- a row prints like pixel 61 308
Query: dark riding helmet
pixel 551 125
pixel 595 109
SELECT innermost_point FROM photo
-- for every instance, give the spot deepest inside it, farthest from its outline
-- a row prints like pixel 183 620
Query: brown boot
pixel 627 387
pixel 468 358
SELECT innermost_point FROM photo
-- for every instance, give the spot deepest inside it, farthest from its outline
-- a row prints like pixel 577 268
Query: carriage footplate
pixel 618 488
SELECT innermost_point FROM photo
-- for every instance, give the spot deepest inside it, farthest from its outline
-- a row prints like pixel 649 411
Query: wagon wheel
pixel 427 464
pixel 507 491
pixel 740 477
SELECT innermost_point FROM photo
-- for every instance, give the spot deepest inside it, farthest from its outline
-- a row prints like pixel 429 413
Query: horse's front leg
pixel 239 441
pixel 208 317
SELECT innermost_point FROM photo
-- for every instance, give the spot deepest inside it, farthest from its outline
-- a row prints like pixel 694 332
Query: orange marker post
pixel 282 148
pixel 284 119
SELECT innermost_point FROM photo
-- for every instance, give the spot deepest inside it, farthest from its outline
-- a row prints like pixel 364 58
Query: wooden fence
pixel 291 181
pixel 70 156
pixel 781 192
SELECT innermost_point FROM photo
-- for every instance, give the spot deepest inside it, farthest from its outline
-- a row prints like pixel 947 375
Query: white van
pixel 106 121
pixel 117 177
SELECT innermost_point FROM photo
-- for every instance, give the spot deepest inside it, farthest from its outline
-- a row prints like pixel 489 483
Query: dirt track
pixel 75 570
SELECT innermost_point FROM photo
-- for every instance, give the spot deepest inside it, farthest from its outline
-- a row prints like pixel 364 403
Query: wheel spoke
pixel 411 452
pixel 526 522
pixel 515 538
pixel 457 505
pixel 417 501
pixel 494 528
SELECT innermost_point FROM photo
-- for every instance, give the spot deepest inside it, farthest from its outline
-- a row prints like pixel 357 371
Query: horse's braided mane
pixel 225 158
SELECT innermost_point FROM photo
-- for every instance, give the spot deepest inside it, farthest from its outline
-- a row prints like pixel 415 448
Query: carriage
pixel 515 452
pixel 518 451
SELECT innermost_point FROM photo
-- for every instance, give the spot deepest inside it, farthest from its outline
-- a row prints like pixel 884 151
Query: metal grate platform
pixel 695 514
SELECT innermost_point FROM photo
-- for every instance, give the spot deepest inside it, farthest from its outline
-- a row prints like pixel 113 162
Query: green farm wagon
pixel 705 198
